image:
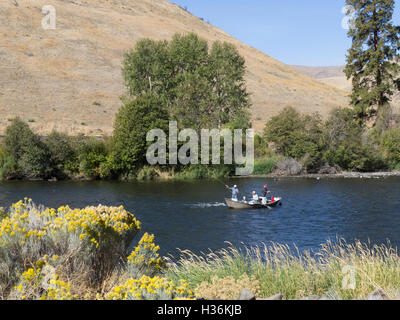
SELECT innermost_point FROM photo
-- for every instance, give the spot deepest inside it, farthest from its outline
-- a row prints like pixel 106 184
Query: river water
pixel 192 215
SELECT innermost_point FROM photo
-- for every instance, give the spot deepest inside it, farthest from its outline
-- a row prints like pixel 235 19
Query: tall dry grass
pixel 280 269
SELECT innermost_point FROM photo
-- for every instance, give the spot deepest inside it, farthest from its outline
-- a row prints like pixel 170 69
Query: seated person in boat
pixel 255 198
pixel 235 192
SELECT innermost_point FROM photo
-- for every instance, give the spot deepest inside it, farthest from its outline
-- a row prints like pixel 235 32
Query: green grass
pixel 195 172
pixel 280 270
pixel 265 165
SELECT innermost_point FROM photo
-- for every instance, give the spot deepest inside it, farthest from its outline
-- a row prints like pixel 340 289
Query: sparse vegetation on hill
pixel 182 80
pixel 55 76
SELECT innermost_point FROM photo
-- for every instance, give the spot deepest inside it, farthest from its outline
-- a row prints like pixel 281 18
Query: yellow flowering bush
pixel 91 223
pixel 144 259
pixel 42 282
pixel 39 247
pixel 150 288
pixel 91 241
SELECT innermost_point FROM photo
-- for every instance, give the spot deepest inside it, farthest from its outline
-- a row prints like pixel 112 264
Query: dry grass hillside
pixel 70 79
pixel 334 76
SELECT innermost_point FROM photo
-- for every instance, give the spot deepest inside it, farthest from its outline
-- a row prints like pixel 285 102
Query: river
pixel 192 215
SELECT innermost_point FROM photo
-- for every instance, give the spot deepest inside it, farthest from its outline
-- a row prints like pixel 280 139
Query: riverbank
pixel 348 175
pixel 338 271
pixel 166 177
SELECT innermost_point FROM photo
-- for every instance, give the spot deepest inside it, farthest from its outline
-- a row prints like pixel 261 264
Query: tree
pixel 134 119
pixel 62 153
pixel 147 68
pixel 199 87
pixel 343 140
pixel 372 60
pixel 29 152
pixel 296 136
pixel 230 97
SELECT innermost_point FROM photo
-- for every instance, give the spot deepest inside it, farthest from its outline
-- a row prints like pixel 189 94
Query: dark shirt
pixel 264 192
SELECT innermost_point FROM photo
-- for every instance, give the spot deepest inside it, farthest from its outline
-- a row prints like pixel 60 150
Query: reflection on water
pixel 192 215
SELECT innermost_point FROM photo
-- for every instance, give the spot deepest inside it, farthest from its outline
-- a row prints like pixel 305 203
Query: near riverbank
pixel 338 271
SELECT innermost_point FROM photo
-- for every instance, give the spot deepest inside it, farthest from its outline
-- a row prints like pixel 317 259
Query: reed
pixel 279 268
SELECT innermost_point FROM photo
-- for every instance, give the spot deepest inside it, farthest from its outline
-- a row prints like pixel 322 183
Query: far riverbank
pixel 353 175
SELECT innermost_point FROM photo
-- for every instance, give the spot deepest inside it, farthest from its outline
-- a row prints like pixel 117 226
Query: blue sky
pixel 303 32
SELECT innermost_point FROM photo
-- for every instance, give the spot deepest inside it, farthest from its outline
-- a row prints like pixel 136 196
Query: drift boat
pixel 251 205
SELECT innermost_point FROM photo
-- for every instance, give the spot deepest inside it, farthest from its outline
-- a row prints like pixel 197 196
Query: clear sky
pixel 302 32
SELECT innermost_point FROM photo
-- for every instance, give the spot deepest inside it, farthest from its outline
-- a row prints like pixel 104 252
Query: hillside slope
pixel 331 75
pixel 70 79
pixel 335 77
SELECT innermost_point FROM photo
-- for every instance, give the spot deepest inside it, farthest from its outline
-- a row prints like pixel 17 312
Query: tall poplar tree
pixel 373 59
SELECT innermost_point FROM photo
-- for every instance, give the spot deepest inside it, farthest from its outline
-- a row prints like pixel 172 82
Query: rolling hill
pixel 70 78
pixel 334 76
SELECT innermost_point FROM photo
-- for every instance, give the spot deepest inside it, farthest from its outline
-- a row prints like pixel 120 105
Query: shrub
pixel 264 165
pixel 132 123
pixel 92 154
pixel 204 172
pixel 143 269
pixel 390 143
pixel 296 136
pixel 147 173
pixel 63 156
pixel 30 154
pixel 227 288
pixel 89 242
pixel 8 167
pixel 41 282
pixel 144 259
pixel 346 146
pixel 147 288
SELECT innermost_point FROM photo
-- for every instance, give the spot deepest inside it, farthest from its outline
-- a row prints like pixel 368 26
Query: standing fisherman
pixel 235 192
pixel 265 191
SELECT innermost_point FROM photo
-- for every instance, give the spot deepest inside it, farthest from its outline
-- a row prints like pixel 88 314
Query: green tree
pixel 226 71
pixel 27 150
pixel 147 68
pixel 92 155
pixel 192 105
pixel 134 119
pixel 63 156
pixel 391 147
pixel 296 136
pixel 345 146
pixel 372 60
pixel 200 88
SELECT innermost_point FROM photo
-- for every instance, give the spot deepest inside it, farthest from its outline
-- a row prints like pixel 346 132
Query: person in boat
pixel 235 192
pixel 255 198
pixel 265 191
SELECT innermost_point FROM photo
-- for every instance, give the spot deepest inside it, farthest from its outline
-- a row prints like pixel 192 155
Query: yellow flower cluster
pixel 146 252
pixel 33 284
pixel 91 223
pixel 58 290
pixel 147 288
